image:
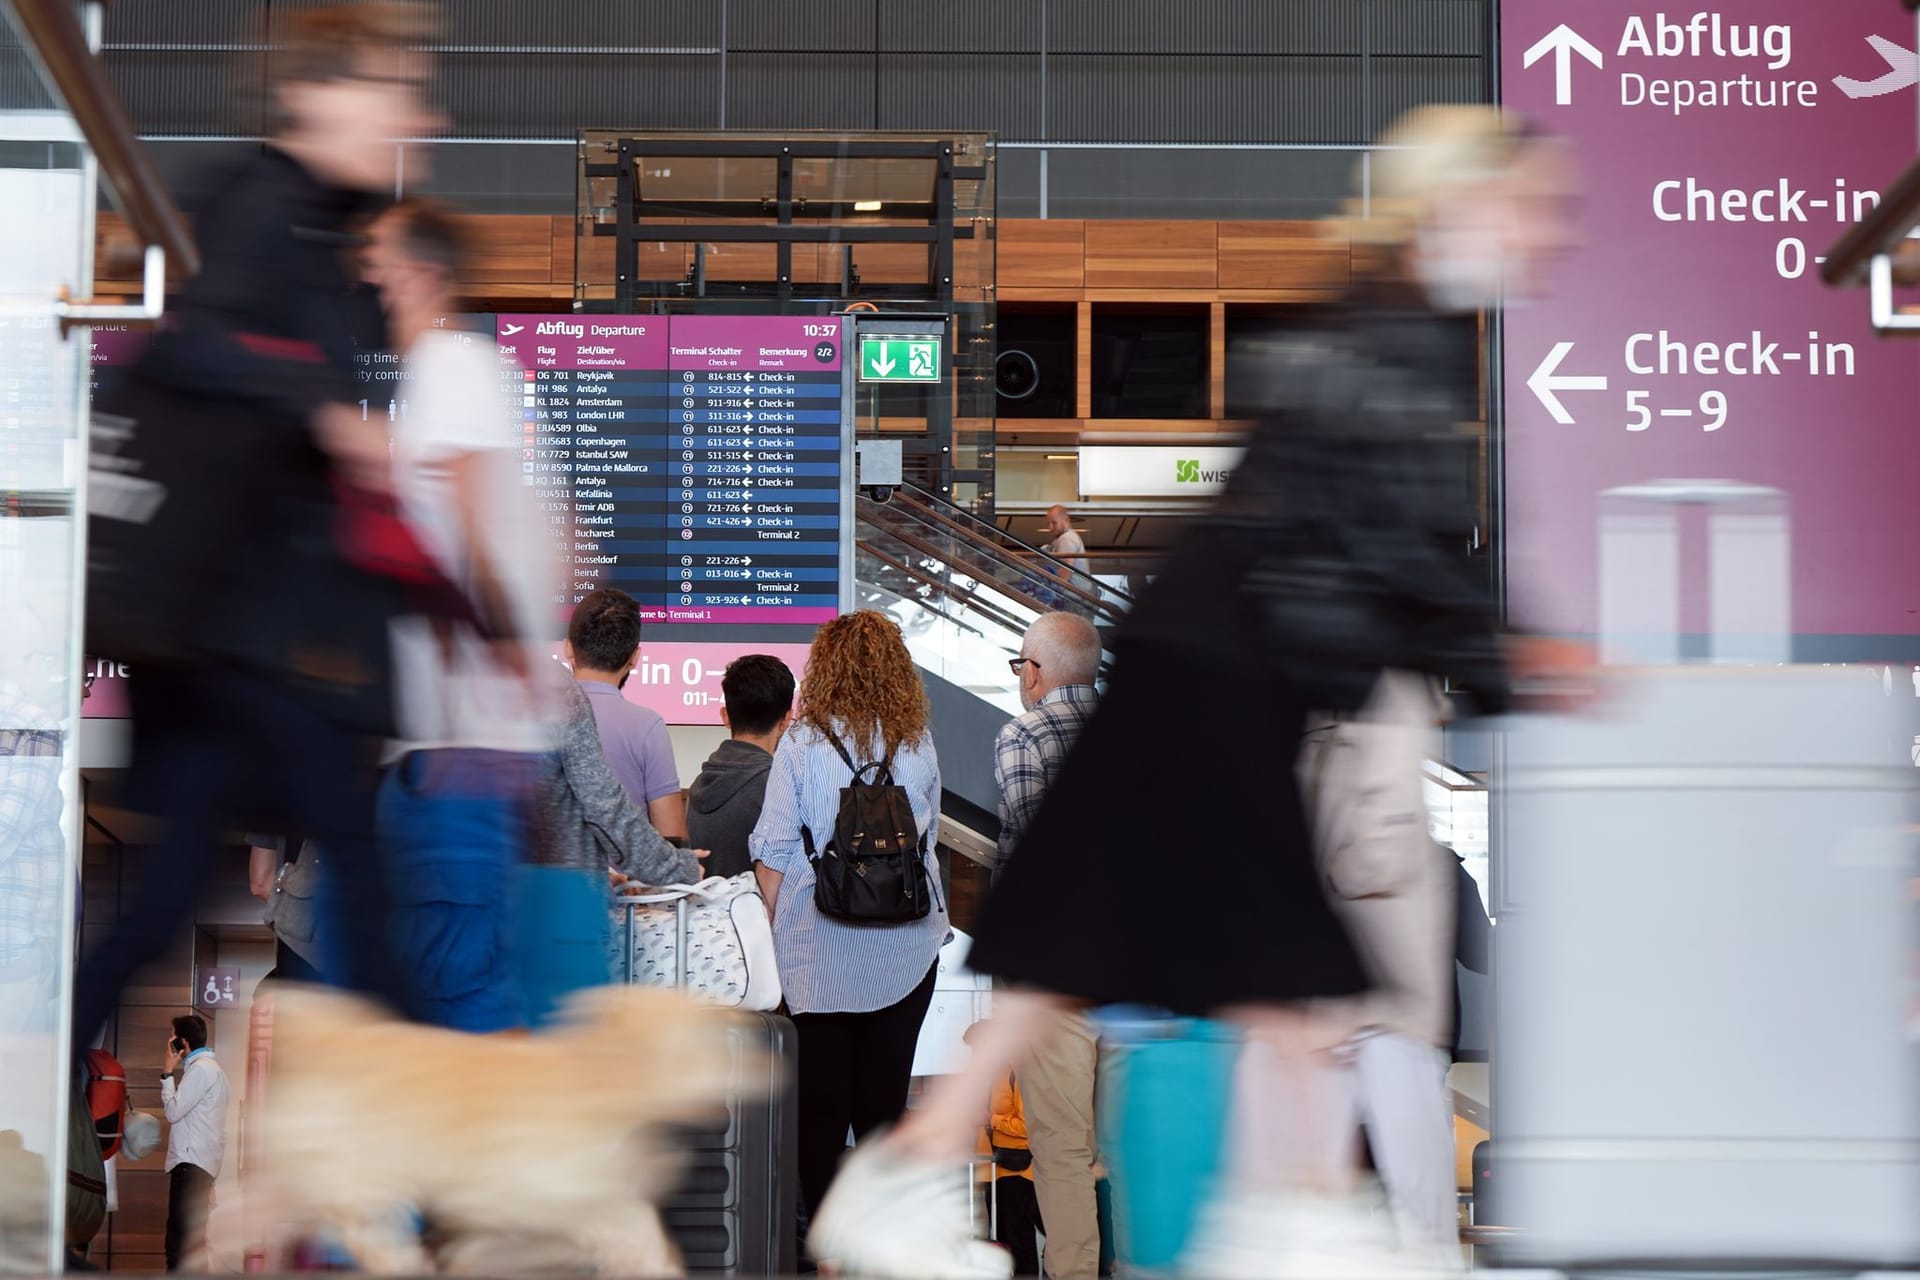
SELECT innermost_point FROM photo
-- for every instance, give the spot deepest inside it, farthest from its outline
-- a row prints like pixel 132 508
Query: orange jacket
pixel 1008 1128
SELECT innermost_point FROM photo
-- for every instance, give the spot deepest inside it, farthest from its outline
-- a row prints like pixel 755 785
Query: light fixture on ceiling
pixel 1063 457
pixel 866 206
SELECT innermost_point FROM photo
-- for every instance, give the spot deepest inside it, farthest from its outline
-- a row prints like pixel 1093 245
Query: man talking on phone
pixel 193 1092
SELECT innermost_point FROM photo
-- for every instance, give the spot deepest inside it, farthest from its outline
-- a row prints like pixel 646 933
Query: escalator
pixel 964 593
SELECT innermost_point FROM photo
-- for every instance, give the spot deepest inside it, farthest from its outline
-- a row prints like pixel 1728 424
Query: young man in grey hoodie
pixel 724 801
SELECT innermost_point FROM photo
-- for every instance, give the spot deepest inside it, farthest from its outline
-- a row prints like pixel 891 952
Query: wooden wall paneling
pixel 1216 360
pixel 811 264
pixel 560 254
pixel 890 263
pixel 141 1041
pixel 817 263
pixel 1145 430
pixel 139 1226
pixel 969 273
pixel 737 261
pixel 1146 255
pixel 1041 253
pixel 1005 294
pixel 508 248
pixel 1070 431
pixel 657 259
pixel 1282 255
pixel 1083 360
pixel 165 981
pixel 1201 297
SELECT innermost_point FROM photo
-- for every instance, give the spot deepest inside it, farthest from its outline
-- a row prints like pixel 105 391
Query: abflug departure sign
pixel 1689 336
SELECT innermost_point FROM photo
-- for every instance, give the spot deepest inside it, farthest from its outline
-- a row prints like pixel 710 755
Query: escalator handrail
pixel 927 580
pixel 53 34
pixel 969 599
pixel 941 509
pixel 992 551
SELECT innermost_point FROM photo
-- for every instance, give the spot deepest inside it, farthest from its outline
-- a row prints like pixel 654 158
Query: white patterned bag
pixel 712 940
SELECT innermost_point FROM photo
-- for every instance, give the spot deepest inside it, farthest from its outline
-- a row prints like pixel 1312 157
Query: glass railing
pixel 1017 566
pixel 963 592
pixel 45 187
pixel 959 625
pixel 61 131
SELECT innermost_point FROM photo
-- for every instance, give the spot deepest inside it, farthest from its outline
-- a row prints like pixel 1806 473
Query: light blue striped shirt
pixel 827 966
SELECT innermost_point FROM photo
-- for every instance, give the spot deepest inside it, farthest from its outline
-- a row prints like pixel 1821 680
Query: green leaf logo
pixel 1186 471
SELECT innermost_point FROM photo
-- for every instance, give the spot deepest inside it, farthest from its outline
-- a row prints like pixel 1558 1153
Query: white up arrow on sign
pixel 1545 382
pixel 1562 42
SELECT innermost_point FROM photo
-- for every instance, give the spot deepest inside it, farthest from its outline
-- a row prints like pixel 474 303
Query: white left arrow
pixel 1546 381
pixel 1562 42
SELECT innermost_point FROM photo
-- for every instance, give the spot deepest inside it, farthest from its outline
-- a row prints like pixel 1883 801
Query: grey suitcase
pixel 735 1209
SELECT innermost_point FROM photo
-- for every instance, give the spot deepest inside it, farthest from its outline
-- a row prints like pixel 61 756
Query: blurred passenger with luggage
pixel 603 644
pixel 590 827
pixel 284 873
pixel 242 550
pixel 1393 888
pixel 723 805
pixel 858 972
pixel 1332 556
pixel 478 707
pixel 424 1150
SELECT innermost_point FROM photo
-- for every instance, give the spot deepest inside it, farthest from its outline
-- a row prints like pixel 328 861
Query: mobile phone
pixel 174 1044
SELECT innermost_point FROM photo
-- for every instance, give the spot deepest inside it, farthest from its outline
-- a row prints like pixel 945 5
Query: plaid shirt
pixel 1028 753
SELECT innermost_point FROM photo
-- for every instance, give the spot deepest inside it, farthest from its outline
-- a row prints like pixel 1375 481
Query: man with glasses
pixel 1058 664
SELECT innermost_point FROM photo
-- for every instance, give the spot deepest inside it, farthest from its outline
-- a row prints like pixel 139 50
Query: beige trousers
pixel 1056 1088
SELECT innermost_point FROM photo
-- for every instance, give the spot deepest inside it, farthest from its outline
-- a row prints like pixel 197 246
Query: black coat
pixel 1339 546
pixel 235 567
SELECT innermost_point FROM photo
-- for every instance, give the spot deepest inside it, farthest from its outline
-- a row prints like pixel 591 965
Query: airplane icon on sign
pixel 1904 73
pixel 508 330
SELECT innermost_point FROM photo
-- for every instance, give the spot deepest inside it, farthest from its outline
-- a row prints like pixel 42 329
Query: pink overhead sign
pixel 1689 337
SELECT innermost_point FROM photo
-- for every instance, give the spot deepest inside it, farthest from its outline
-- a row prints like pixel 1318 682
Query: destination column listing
pixel 596 398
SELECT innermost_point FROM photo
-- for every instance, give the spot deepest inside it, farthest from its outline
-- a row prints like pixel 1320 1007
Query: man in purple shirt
pixel 603 644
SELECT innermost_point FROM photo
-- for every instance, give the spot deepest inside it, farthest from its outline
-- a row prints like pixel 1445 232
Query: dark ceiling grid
pixel 1159 74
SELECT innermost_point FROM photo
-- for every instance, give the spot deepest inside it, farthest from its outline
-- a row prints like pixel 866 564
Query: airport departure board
pixel 696 462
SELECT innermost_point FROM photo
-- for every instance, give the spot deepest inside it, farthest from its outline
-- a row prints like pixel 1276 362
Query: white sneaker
pixel 1254 1236
pixel 902 1219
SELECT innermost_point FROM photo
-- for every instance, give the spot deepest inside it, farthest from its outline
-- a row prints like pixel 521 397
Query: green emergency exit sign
pixel 899 359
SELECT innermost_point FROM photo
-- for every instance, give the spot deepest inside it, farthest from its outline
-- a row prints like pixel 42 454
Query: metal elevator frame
pixel 630 226
pixel 636 221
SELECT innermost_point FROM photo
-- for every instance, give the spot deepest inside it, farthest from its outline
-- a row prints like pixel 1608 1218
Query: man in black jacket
pixel 267 702
pixel 724 802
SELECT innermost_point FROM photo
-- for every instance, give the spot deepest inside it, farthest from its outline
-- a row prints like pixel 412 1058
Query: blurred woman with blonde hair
pixel 858 992
pixel 1337 553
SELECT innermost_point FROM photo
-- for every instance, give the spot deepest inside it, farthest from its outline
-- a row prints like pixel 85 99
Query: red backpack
pixel 106 1091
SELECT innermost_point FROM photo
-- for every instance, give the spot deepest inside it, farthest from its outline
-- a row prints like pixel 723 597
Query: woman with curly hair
pixel 858 992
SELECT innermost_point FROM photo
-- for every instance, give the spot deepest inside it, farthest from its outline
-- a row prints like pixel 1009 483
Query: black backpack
pixel 874 869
